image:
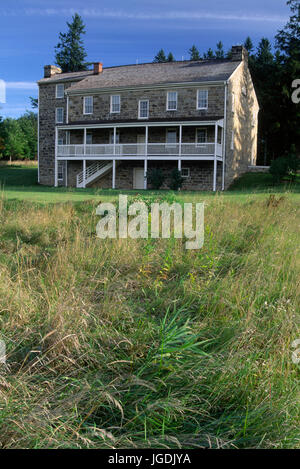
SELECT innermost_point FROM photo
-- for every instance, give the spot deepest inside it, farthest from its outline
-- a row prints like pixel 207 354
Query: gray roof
pixel 70 76
pixel 155 74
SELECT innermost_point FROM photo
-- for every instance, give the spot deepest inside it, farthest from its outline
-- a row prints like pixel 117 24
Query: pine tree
pixel 70 54
pixel 160 57
pixel 264 53
pixel 288 39
pixel 220 51
pixel 194 53
pixel 170 57
pixel 209 54
pixel 248 44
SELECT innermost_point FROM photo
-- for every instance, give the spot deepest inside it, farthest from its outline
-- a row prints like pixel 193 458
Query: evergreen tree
pixel 160 57
pixel 248 44
pixel 194 53
pixel 70 54
pixel 170 57
pixel 209 54
pixel 264 55
pixel 220 51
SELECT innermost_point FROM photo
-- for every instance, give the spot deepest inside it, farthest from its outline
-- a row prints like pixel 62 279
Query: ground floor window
pixel 185 172
pixel 61 170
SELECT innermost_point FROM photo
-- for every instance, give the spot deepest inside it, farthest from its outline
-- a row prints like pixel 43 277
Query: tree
pixel 288 38
pixel 13 139
pixel 248 44
pixel 170 57
pixel 28 126
pixel 194 53
pixel 176 180
pixel 220 51
pixel 34 102
pixel 70 54
pixel 160 57
pixel 264 55
pixel 209 54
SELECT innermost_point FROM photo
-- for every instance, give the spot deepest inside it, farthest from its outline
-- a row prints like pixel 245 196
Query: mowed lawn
pixel 141 343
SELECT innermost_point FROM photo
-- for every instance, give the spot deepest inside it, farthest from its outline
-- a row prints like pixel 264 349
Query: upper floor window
pixel 60 91
pixel 202 99
pixel 115 103
pixel 59 115
pixel 88 105
pixel 89 139
pixel 172 101
pixel 143 109
pixel 201 136
pixel 171 137
pixel 111 137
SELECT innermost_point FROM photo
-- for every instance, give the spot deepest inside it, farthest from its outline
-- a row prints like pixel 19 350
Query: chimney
pixel 239 53
pixel 51 70
pixel 98 68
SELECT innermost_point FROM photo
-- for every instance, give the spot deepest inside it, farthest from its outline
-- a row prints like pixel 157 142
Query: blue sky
pixel 121 32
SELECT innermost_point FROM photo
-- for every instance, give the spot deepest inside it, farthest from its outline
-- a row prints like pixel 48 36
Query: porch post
pixel 115 139
pixel 84 141
pixel 145 173
pixel 84 171
pixel 66 173
pixel 179 165
pixel 180 149
pixel 223 158
pixel 146 140
pixel 114 175
pixel 215 159
pixel 55 161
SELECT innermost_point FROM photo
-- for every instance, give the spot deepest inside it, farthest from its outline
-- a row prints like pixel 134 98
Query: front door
pixel 138 178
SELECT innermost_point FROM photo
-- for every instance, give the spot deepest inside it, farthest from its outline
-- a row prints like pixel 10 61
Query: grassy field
pixel 140 343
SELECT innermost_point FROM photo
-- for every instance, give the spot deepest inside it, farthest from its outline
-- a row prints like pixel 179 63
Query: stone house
pixel 108 127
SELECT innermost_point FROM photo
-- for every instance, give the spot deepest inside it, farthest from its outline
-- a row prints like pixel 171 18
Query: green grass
pixel 140 343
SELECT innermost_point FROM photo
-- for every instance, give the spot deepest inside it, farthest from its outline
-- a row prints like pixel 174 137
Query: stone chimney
pixel 50 70
pixel 98 68
pixel 239 53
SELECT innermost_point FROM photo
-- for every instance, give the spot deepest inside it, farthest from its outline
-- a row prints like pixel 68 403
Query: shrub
pixel 284 166
pixel 176 180
pixel 155 178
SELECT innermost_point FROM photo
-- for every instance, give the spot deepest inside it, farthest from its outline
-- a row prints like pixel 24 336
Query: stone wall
pixel 186 106
pixel 201 175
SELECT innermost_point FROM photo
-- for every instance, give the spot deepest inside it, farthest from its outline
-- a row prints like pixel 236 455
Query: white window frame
pixel 232 140
pixel 171 144
pixel 172 100
pixel 143 101
pixel 111 137
pixel 84 105
pixel 188 172
pixel 56 115
pixel 62 165
pixel 199 108
pixel 201 129
pixel 57 95
pixel 89 135
pixel 111 104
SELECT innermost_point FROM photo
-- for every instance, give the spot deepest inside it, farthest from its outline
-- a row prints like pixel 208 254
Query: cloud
pixel 125 15
pixel 21 85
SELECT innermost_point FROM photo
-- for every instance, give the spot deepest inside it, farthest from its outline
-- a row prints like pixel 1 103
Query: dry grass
pixel 141 343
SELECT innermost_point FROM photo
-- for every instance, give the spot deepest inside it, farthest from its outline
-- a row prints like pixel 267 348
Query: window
pixel 59 115
pixel 172 101
pixel 143 109
pixel 111 137
pixel 88 105
pixel 201 136
pixel 202 99
pixel 233 103
pixel 185 172
pixel 115 103
pixel 60 91
pixel 60 141
pixel 89 139
pixel 232 141
pixel 171 137
pixel 60 170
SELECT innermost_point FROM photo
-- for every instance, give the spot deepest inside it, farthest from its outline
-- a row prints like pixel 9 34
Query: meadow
pixel 141 343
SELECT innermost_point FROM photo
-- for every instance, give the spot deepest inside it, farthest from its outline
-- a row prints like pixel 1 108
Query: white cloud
pixel 122 14
pixel 21 85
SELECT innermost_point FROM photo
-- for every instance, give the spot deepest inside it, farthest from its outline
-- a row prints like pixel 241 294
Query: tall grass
pixel 140 343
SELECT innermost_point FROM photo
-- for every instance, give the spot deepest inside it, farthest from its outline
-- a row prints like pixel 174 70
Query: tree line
pixel 273 66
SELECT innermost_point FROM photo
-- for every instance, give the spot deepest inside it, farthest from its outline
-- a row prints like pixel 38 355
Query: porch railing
pixel 140 149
